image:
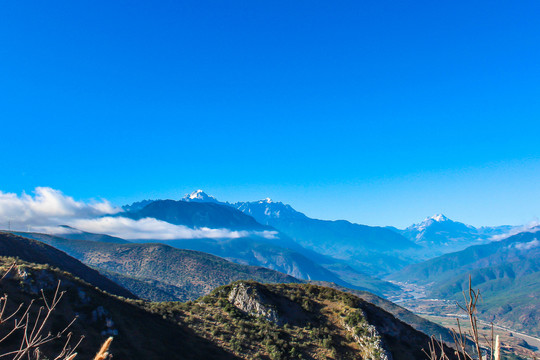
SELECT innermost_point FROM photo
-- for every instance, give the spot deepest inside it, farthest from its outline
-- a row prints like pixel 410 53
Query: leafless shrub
pixel 31 328
pixel 463 338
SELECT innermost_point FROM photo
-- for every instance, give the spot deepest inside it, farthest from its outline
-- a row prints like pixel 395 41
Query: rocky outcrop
pixel 249 299
pixel 367 337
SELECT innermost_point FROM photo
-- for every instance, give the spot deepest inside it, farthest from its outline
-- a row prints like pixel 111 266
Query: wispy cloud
pixel 48 208
pixel 533 226
pixel 150 228
pixel 528 245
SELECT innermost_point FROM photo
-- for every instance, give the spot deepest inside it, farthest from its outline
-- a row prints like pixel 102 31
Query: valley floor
pixel 523 345
pixel 445 312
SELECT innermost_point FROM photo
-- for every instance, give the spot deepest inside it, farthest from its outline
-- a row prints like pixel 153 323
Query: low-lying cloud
pixel 150 228
pixel 528 245
pixel 533 226
pixel 48 208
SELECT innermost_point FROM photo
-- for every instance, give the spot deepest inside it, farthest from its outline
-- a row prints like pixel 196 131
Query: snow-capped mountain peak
pixel 266 201
pixel 438 218
pixel 199 196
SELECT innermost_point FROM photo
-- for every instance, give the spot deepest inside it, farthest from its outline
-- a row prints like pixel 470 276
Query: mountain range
pixel 393 251
pixel 196 215
pixel 351 255
pixel 271 242
pixel 371 249
pixel 242 320
pixel 159 272
pixel 259 244
pixel 340 246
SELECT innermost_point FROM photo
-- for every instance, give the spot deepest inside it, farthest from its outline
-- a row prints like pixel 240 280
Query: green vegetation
pixel 310 322
pixel 507 270
pixel 37 252
pixel 313 326
pixel 138 334
pixel 318 324
pixel 417 322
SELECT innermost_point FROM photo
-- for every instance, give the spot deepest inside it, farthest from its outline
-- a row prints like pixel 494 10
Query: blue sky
pixel 380 113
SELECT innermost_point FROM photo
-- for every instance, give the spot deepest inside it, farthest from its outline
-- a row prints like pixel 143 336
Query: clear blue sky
pixel 380 112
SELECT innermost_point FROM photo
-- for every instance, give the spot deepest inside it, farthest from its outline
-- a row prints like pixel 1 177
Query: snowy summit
pixel 199 196
pixel 437 218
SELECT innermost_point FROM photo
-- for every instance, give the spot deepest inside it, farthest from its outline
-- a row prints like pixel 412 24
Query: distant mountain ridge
pixel 438 235
pixel 196 215
pixel 373 249
pixel 174 274
pixel 264 209
pixel 506 271
pixel 439 230
pixel 514 248
pixel 435 235
pixel 249 251
pixel 195 196
pixel 138 205
pixel 69 232
pixel 350 253
pixel 278 251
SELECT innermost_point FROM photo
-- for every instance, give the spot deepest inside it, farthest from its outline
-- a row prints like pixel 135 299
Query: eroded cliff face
pixel 250 300
pixel 366 335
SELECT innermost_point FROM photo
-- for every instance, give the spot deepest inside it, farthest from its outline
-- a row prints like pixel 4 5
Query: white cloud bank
pixel 150 228
pixel 49 208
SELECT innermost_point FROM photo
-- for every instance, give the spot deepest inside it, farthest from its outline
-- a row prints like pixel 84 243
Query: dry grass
pixel 103 353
